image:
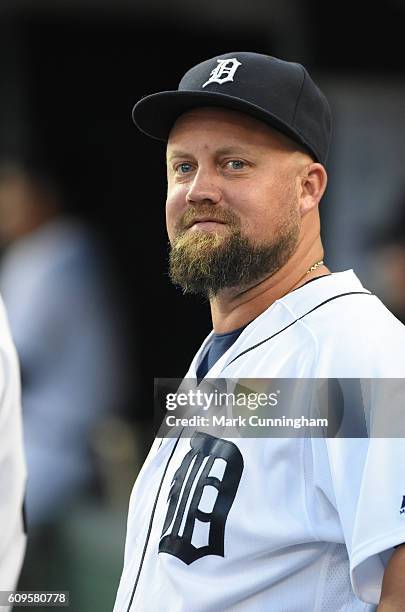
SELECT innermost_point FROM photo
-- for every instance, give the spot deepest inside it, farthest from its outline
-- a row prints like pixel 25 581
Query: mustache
pixel 220 215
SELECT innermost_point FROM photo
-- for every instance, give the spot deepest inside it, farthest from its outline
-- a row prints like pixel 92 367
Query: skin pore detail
pixel 242 213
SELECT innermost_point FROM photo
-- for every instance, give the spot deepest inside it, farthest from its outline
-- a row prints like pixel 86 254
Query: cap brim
pixel 156 114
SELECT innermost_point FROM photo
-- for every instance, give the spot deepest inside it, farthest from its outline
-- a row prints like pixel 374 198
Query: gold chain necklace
pixel 315 266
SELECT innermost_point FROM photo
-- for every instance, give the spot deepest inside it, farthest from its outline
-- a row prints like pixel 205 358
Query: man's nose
pixel 204 188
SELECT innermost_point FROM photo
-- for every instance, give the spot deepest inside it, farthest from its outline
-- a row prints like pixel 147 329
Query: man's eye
pixel 236 164
pixel 183 168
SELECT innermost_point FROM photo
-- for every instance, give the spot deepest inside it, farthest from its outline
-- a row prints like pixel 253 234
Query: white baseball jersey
pixel 281 524
pixel 12 463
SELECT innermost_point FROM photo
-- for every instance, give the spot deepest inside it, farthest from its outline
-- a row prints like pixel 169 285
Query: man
pixel 56 285
pixel 236 523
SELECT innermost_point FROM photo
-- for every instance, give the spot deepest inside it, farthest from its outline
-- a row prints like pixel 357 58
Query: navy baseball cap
pixel 277 92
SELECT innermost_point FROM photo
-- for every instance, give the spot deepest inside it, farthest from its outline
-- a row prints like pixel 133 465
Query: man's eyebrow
pixel 177 153
pixel 227 150
pixel 233 150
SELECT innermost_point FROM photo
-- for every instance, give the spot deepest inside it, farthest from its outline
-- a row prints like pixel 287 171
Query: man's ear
pixel 312 186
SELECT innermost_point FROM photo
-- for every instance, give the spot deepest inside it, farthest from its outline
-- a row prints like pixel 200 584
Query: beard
pixel 205 263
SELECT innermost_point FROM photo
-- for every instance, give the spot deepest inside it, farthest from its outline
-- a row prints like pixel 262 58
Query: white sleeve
pixel 379 524
pixel 365 481
pixel 12 464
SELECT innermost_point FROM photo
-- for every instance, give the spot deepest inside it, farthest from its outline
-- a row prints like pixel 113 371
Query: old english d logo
pixel 224 72
pixel 189 483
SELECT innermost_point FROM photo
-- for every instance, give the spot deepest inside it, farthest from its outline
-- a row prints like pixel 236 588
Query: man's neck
pixel 235 307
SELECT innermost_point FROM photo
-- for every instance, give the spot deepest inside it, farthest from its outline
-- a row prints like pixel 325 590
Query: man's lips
pixel 204 222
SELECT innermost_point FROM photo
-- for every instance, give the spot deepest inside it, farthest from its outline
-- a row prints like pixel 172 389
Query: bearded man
pixel 300 523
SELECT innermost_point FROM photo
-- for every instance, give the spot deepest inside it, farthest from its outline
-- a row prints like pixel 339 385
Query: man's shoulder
pixel 354 332
pixel 355 314
pixel 340 304
pixel 362 339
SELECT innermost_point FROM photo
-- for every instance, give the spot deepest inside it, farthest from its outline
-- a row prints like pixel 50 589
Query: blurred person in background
pixel 63 314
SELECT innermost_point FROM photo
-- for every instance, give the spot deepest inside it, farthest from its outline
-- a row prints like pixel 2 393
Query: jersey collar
pixel 280 314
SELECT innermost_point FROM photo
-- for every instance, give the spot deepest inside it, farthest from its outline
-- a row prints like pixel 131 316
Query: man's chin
pixel 209 262
pixel 205 268
pixel 196 240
